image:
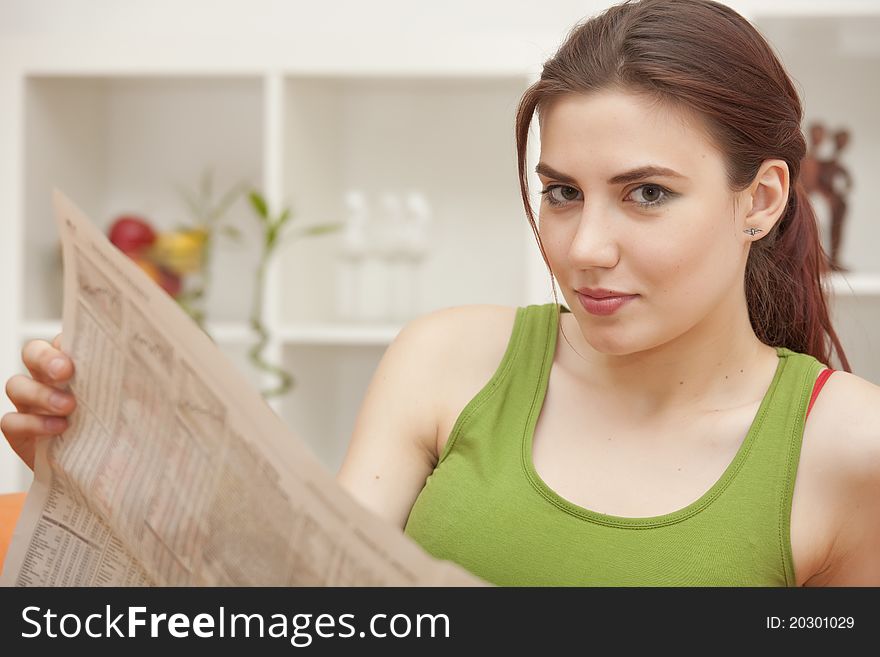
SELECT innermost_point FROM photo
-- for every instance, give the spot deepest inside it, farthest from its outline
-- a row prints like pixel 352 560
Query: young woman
pixel 652 430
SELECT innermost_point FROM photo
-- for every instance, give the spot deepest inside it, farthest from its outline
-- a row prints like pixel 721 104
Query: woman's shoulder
pixel 475 321
pixel 850 408
pixel 440 352
pixel 467 344
pixel 848 446
pixel 467 334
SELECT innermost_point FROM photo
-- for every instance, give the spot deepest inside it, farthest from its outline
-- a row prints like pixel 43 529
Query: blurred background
pixel 377 137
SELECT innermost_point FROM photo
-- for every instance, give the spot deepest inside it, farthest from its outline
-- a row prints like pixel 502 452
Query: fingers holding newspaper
pixel 41 400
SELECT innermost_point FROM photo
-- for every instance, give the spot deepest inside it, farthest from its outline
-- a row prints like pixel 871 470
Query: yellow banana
pixel 180 251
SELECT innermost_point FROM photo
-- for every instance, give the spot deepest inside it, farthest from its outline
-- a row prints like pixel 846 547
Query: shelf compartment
pixel 450 138
pixel 120 145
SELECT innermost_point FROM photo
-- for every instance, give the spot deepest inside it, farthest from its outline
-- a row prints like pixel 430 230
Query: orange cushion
pixel 10 509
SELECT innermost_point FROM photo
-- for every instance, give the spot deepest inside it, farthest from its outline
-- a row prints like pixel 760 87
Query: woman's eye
pixel 645 196
pixel 648 195
pixel 564 194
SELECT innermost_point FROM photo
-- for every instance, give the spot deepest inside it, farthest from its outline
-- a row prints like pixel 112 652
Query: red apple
pixel 132 234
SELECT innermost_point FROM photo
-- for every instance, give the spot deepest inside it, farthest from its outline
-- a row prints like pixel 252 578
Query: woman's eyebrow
pixel 550 172
pixel 647 171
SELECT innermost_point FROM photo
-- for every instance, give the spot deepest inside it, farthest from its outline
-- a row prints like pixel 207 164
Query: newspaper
pixel 173 472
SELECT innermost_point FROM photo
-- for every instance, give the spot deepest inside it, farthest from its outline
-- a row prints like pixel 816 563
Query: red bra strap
pixel 820 381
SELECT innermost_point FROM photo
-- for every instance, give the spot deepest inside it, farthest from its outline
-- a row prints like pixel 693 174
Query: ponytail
pixel 786 285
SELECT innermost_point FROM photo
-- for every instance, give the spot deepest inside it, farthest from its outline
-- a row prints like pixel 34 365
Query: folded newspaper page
pixel 173 472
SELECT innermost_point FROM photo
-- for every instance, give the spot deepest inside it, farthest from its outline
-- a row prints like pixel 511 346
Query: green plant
pixel 275 233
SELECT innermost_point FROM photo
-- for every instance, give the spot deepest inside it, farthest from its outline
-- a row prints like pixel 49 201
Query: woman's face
pixel 607 220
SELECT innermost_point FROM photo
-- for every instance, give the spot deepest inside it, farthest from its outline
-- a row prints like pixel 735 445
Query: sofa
pixel 10 509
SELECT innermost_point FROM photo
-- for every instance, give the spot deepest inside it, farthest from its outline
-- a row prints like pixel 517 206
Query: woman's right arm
pixel 41 400
pixel 393 447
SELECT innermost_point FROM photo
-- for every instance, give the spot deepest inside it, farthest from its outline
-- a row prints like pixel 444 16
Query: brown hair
pixel 703 56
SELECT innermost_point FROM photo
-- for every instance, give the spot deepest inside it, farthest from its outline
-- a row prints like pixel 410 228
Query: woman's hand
pixel 42 402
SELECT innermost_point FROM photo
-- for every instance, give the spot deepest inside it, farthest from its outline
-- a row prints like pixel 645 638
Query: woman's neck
pixel 718 364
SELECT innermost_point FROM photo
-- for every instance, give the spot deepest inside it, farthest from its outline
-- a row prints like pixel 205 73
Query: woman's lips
pixel 605 306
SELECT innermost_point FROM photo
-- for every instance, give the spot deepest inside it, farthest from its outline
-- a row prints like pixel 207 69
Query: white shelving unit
pixel 117 129
pixel 117 123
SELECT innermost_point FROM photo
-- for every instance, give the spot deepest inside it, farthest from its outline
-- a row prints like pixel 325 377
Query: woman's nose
pixel 594 243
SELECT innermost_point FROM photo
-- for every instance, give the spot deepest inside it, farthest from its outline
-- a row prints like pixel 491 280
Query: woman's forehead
pixel 611 130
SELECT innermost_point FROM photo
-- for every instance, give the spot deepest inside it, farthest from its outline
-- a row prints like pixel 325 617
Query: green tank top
pixel 485 507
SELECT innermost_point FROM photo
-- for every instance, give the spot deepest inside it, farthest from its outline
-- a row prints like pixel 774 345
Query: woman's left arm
pixel 855 555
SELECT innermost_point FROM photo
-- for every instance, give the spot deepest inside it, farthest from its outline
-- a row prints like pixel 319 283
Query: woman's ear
pixel 768 195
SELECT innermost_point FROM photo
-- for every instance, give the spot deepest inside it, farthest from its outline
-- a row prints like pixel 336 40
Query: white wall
pixel 33 17
pixel 18 17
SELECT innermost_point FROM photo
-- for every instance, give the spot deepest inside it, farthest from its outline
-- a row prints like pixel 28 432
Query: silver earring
pixel 752 231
